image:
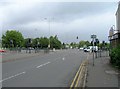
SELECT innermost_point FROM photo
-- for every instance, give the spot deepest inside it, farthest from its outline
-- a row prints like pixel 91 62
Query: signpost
pixel 93 38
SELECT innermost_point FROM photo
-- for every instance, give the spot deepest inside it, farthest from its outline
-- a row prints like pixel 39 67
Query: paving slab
pixel 102 74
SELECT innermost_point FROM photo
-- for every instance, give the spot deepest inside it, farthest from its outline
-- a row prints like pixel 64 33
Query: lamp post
pixel 49 26
pixel 48 19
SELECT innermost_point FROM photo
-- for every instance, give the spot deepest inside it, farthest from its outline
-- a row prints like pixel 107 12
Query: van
pixel 93 48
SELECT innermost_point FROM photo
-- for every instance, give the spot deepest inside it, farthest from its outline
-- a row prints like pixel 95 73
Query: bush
pixel 115 56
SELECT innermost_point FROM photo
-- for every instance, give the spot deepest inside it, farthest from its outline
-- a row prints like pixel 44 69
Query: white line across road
pixel 12 76
pixel 43 64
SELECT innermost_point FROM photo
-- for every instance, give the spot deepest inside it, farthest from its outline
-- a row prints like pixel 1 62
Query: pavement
pixel 102 74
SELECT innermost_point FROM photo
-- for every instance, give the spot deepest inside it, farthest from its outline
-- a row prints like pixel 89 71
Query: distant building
pixel 114 34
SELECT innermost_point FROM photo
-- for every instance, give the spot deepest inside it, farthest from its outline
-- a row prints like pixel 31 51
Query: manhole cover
pixel 111 72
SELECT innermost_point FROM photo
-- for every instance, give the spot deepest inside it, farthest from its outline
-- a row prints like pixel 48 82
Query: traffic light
pixel 11 43
pixel 29 40
pixel 95 43
pixel 77 37
pixel 98 42
pixel 91 42
pixel 103 42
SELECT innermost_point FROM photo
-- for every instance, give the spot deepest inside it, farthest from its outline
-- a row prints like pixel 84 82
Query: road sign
pixel 93 36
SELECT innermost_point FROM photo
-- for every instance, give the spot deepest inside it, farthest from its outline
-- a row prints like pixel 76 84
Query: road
pixel 56 69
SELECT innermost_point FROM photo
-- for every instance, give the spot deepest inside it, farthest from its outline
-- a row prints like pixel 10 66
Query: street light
pixel 49 20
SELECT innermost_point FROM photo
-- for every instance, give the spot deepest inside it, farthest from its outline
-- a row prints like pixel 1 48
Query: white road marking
pixel 39 66
pixel 12 76
pixel 46 63
pixel 63 58
pixel 42 65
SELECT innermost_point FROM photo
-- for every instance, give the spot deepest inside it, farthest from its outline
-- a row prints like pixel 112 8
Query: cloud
pixel 71 18
pixel 84 28
pixel 22 13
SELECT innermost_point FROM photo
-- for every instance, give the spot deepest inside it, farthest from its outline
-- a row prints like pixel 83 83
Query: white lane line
pixel 39 66
pixel 46 63
pixel 12 76
pixel 43 64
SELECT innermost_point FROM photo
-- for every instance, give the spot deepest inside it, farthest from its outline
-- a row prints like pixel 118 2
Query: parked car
pixel 81 48
pixel 1 50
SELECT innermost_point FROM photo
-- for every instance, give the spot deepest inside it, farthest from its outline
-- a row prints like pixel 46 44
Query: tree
pixel 44 41
pixel 28 42
pixel 12 38
pixel 84 43
pixel 54 42
pixel 87 43
pixel 35 42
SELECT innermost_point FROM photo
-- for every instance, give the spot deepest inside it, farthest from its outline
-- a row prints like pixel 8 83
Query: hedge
pixel 115 56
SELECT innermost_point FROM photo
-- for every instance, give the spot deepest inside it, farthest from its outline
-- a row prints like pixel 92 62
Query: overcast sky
pixel 67 19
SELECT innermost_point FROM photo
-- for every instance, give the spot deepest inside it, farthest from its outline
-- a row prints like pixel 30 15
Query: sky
pixel 66 19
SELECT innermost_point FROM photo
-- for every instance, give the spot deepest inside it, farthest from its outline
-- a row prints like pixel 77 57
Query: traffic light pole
pixel 93 51
pixel 93 38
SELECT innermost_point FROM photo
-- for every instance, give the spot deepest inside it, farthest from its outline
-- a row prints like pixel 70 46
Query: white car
pixel 81 48
pixel 87 49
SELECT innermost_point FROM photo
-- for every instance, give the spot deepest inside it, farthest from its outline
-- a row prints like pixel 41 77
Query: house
pixel 114 34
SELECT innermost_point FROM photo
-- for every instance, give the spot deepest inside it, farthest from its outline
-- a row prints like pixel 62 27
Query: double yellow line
pixel 79 75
